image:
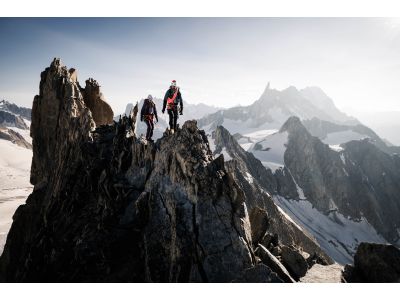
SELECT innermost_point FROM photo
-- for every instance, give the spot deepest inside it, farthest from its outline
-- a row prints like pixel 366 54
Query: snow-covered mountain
pixel 338 196
pixel 15 162
pixel 329 173
pixel 273 108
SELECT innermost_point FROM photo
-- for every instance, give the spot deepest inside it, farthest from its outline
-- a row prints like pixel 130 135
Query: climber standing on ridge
pixel 147 114
pixel 174 104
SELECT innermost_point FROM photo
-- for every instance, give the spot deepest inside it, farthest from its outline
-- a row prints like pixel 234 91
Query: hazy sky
pixel 221 62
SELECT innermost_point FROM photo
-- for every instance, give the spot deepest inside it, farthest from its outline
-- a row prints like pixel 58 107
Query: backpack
pixel 171 101
pixel 148 107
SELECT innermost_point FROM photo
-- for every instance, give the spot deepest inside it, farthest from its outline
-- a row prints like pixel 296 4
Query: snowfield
pixel 15 165
pixel 272 150
pixel 340 137
pixel 337 235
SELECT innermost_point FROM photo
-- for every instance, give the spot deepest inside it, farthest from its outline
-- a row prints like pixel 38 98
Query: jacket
pixel 178 100
pixel 148 108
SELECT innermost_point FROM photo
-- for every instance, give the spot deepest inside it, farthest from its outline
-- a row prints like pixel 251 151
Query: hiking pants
pixel 150 128
pixel 173 117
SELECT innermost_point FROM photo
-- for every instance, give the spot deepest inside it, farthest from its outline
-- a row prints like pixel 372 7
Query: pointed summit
pixel 267 88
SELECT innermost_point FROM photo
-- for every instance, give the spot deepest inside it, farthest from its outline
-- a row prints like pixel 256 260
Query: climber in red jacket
pixel 174 104
pixel 148 114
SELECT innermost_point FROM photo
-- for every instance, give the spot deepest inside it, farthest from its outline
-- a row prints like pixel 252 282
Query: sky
pixel 222 62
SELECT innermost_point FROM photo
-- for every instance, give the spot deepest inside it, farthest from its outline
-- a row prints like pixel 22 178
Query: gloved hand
pixel 141 118
pixel 157 120
pixel 181 112
pixel 163 111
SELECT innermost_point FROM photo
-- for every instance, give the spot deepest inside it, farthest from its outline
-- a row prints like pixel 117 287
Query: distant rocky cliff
pixel 359 181
pixel 23 112
pixel 9 119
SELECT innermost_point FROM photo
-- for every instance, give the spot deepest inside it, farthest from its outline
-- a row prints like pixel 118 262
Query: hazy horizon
pixel 222 62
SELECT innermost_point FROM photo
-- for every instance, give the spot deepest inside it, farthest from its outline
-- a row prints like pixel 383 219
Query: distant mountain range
pixel 274 108
pixel 14 124
pixel 333 175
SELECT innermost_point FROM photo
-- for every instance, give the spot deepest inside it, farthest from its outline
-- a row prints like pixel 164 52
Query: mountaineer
pixel 174 104
pixel 147 114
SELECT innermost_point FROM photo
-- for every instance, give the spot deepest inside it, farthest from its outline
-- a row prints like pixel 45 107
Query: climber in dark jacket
pixel 147 114
pixel 174 104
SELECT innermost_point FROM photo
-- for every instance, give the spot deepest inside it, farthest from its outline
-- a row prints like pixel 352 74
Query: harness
pixel 149 117
pixel 171 101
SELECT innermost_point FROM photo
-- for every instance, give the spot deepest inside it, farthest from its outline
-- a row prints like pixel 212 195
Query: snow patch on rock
pixel 249 178
pixel 270 151
pixel 336 148
pixel 337 235
pixel 227 157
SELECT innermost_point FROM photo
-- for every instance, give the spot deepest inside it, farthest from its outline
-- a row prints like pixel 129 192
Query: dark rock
pixel 259 224
pixel 258 274
pixel 101 111
pixel 275 240
pixel 374 263
pixel 276 251
pixel 294 262
pixel 271 261
pixel 315 258
pixel 266 240
pixel 106 207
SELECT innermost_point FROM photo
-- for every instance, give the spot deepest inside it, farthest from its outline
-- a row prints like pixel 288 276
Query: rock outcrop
pixel 294 262
pixel 374 263
pixel 270 260
pixel 108 208
pixel 101 111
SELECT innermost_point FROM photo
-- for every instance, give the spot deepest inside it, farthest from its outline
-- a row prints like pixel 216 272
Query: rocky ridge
pixel 108 207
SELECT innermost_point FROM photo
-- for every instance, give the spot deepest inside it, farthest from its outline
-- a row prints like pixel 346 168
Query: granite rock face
pixel 101 111
pixel 374 263
pixel 107 207
pixel 270 260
